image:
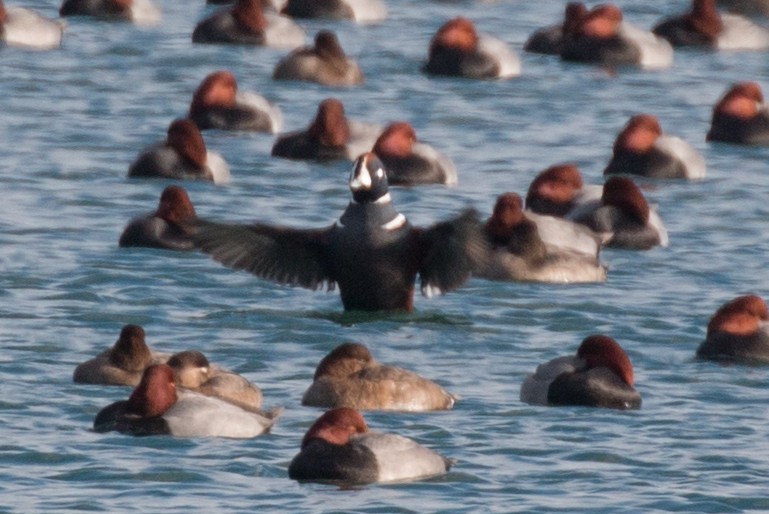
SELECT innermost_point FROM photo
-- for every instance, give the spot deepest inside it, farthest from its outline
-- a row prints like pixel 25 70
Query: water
pixel 74 119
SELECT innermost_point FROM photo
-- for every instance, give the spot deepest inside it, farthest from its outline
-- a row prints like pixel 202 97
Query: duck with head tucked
pixel 350 377
pixel 458 50
pixel 325 63
pixel 738 332
pixel 218 104
pixel 330 136
pixel 599 375
pixel 340 448
pixel 372 253
pixel 741 116
pixel 156 407
pixel 248 23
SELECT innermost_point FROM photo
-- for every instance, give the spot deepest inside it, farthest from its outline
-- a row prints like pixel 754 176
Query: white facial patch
pixel 361 180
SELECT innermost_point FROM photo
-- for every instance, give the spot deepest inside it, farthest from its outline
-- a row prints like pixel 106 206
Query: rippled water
pixel 72 120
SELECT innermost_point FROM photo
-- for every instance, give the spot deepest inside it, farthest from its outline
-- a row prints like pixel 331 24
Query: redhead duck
pixel 324 63
pixel 362 11
pixel 600 375
pixel 409 162
pixel 248 23
pixel 741 117
pixel 623 217
pixel 350 377
pixel 558 190
pixel 155 407
pixel 339 447
pixel 194 372
pixel 372 253
pixel 518 252
pixel 549 40
pixel 704 26
pixel 218 104
pixel 330 136
pixel 141 12
pixel 738 332
pixel 458 50
pixel 601 36
pixel 642 149
pixel 161 229
pixel 121 364
pixel 27 29
pixel 182 155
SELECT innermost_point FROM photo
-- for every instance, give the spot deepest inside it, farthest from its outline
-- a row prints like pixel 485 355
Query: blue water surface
pixel 72 121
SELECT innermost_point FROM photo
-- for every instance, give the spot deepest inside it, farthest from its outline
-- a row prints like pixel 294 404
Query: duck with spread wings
pixel 372 252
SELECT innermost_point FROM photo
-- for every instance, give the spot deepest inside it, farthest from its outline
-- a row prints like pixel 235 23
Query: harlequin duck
pixel 373 253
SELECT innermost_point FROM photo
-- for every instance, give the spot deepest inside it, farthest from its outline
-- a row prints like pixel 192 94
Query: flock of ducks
pixel 373 255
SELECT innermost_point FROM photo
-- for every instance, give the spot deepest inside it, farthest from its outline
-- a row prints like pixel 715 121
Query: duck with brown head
pixel 161 228
pixel 325 63
pixel 738 332
pixel 248 23
pixel 741 116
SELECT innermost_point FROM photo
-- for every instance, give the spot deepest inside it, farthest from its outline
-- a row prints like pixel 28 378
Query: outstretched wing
pixel 284 255
pixel 451 251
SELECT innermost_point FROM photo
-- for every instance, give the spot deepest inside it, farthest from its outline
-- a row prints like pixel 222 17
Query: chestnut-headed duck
pixel 121 364
pixel 350 377
pixel 248 23
pixel 372 253
pixel 558 190
pixel 741 117
pixel 182 155
pixel 703 26
pixel 457 49
pixel 330 136
pixel 519 253
pixel 156 407
pixel 219 104
pixel 325 63
pixel 27 29
pixel 738 332
pixel 140 12
pixel 339 447
pixel 602 36
pixel 642 149
pixel 623 217
pixel 193 371
pixel 161 228
pixel 361 11
pixel 549 40
pixel 599 375
pixel 410 162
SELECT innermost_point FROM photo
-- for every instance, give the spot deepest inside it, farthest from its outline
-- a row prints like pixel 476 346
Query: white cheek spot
pixel 362 180
pixel 380 173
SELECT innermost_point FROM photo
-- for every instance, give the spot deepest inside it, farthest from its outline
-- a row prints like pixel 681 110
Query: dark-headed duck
pixel 599 375
pixel 458 50
pixel 738 332
pixel 218 104
pixel 642 149
pixel 121 364
pixel 623 217
pixel 182 155
pixel 330 136
pixel 410 162
pixel 361 11
pixel 741 117
pixel 350 377
pixel 601 36
pixel 248 23
pixel 519 253
pixel 161 228
pixel 324 63
pixel 704 26
pixel 372 253
pixel 155 407
pixel 339 447
pixel 141 12
pixel 549 40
